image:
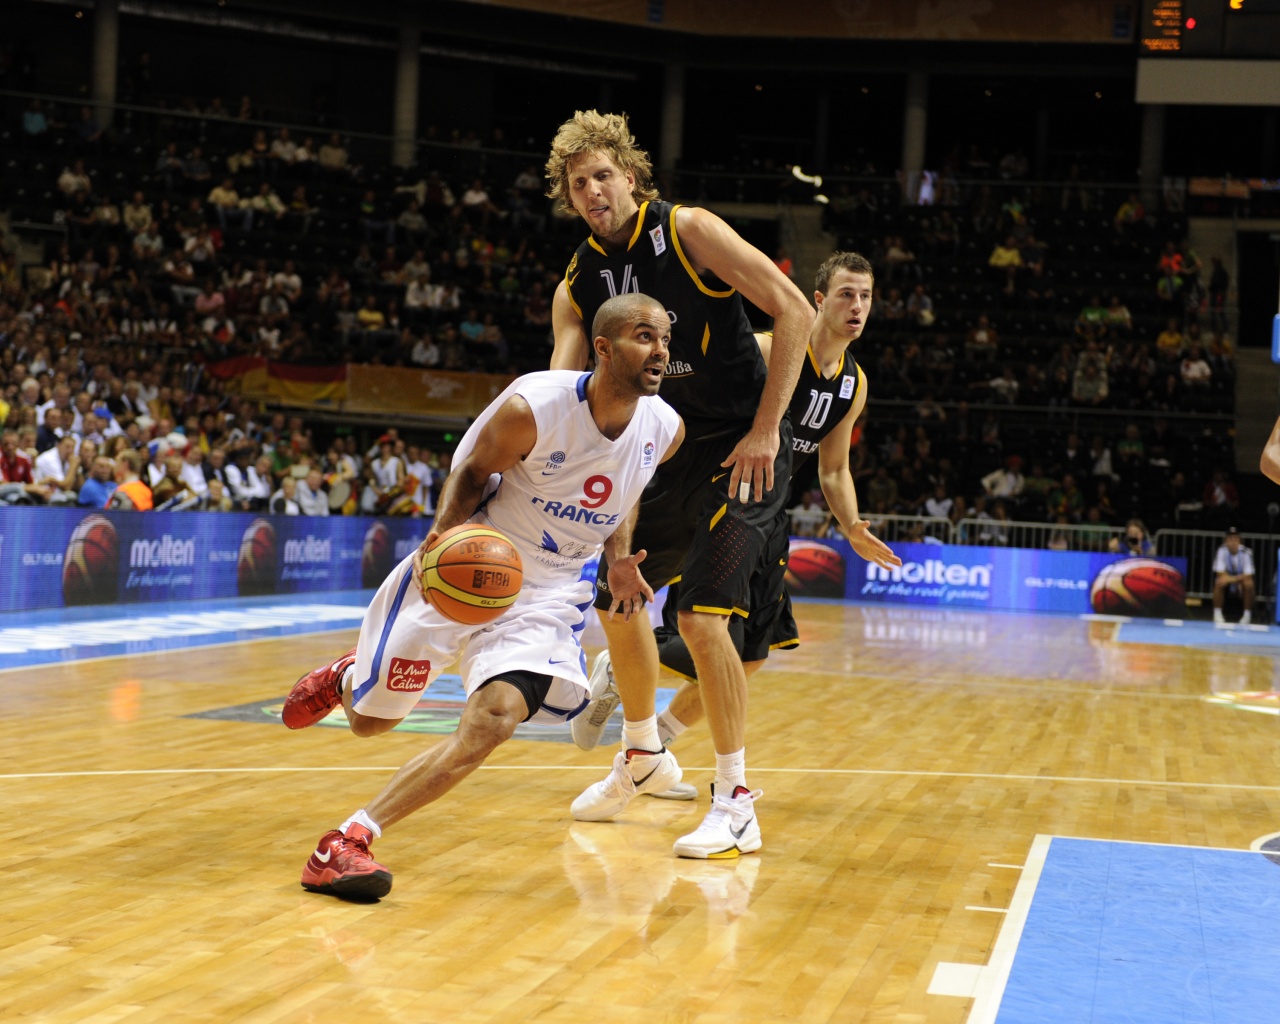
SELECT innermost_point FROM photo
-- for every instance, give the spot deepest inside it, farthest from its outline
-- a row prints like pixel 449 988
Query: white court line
pixel 596 768
pixel 990 985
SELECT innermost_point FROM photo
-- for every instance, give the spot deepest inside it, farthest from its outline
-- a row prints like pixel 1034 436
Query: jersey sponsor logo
pixel 846 387
pixel 407 676
pixel 678 368
pixel 646 456
pixel 659 241
pixel 630 283
pixel 575 513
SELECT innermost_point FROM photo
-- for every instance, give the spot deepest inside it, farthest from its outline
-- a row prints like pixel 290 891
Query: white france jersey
pixel 563 501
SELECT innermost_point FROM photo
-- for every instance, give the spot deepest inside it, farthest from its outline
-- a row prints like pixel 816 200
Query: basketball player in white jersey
pixel 556 463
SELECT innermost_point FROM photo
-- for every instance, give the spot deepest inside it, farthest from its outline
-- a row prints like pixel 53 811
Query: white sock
pixel 361 817
pixel 346 677
pixel 642 735
pixel 731 772
pixel 669 727
pixel 1217 615
pixel 1246 617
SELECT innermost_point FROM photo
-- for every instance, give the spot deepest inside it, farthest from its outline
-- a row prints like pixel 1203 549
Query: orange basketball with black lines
pixel 472 574
pixel 91 562
pixel 1139 586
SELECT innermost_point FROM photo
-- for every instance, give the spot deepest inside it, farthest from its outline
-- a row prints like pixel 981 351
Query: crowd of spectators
pixel 237 240
pixel 252 242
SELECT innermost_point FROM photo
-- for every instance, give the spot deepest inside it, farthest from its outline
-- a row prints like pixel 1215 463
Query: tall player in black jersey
pixel 828 399
pixel 710 516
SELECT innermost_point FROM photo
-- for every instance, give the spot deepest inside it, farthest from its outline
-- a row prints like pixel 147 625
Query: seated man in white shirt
pixel 193 471
pixel 1233 573
pixel 285 501
pixel 59 468
pixel 311 496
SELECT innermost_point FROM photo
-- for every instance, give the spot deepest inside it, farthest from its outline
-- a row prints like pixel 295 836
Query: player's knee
pixel 364 726
pixel 482 730
pixel 701 627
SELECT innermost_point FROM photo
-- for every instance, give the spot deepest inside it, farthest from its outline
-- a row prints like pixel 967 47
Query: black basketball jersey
pixel 716 374
pixel 819 403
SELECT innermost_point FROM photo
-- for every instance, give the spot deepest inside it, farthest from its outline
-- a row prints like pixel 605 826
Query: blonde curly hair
pixel 590 131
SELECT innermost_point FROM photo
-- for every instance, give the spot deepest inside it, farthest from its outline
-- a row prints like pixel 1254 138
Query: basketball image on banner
pixel 91 564
pixel 376 556
pixel 1139 586
pixel 815 569
pixel 472 574
pixel 256 565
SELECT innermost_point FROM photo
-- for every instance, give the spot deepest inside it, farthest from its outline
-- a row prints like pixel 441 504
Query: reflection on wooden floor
pixel 908 759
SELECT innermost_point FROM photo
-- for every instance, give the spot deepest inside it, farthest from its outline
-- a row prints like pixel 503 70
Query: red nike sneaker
pixel 315 694
pixel 342 866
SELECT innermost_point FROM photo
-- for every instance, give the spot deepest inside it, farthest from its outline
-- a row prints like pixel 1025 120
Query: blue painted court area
pixel 1236 639
pixel 72 634
pixel 1131 933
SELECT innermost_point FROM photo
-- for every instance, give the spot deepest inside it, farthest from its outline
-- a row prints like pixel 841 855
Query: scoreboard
pixel 1210 28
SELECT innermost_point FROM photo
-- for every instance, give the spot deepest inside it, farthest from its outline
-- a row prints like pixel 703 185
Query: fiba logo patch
pixel 256 564
pixel 376 556
pixel 91 565
pixel 646 457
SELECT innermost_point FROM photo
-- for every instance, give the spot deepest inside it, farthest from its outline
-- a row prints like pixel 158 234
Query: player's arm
pixel 627 586
pixel 1270 464
pixel 836 480
pixel 712 245
pixel 572 346
pixel 502 442
pixel 675 444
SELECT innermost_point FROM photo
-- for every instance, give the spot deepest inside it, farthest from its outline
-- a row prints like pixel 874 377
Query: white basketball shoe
pixel 589 724
pixel 729 830
pixel 634 772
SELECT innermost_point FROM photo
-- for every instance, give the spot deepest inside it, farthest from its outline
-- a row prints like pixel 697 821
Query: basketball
pixel 471 574
pixel 814 570
pixel 376 555
pixel 90 565
pixel 1139 586
pixel 256 564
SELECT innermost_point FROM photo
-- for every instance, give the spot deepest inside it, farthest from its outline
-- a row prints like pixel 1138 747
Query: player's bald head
pixel 617 315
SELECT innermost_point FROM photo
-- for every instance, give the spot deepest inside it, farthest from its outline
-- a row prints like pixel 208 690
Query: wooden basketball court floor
pixel 920 768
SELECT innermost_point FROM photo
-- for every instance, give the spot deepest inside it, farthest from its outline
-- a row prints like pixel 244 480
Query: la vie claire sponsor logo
pixel 407 676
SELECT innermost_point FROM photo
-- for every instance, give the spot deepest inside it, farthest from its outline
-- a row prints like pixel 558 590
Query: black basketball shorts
pixel 694 530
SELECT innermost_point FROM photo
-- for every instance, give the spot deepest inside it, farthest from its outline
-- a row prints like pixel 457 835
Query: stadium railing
pixel 1007 533
pixel 889 527
pixel 1199 546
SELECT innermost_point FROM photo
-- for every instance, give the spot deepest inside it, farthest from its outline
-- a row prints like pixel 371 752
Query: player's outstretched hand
pixel 871 547
pixel 627 586
pixel 752 461
pixel 418 556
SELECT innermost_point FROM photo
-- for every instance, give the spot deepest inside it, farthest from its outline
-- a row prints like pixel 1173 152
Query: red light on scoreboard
pixel 1191 23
